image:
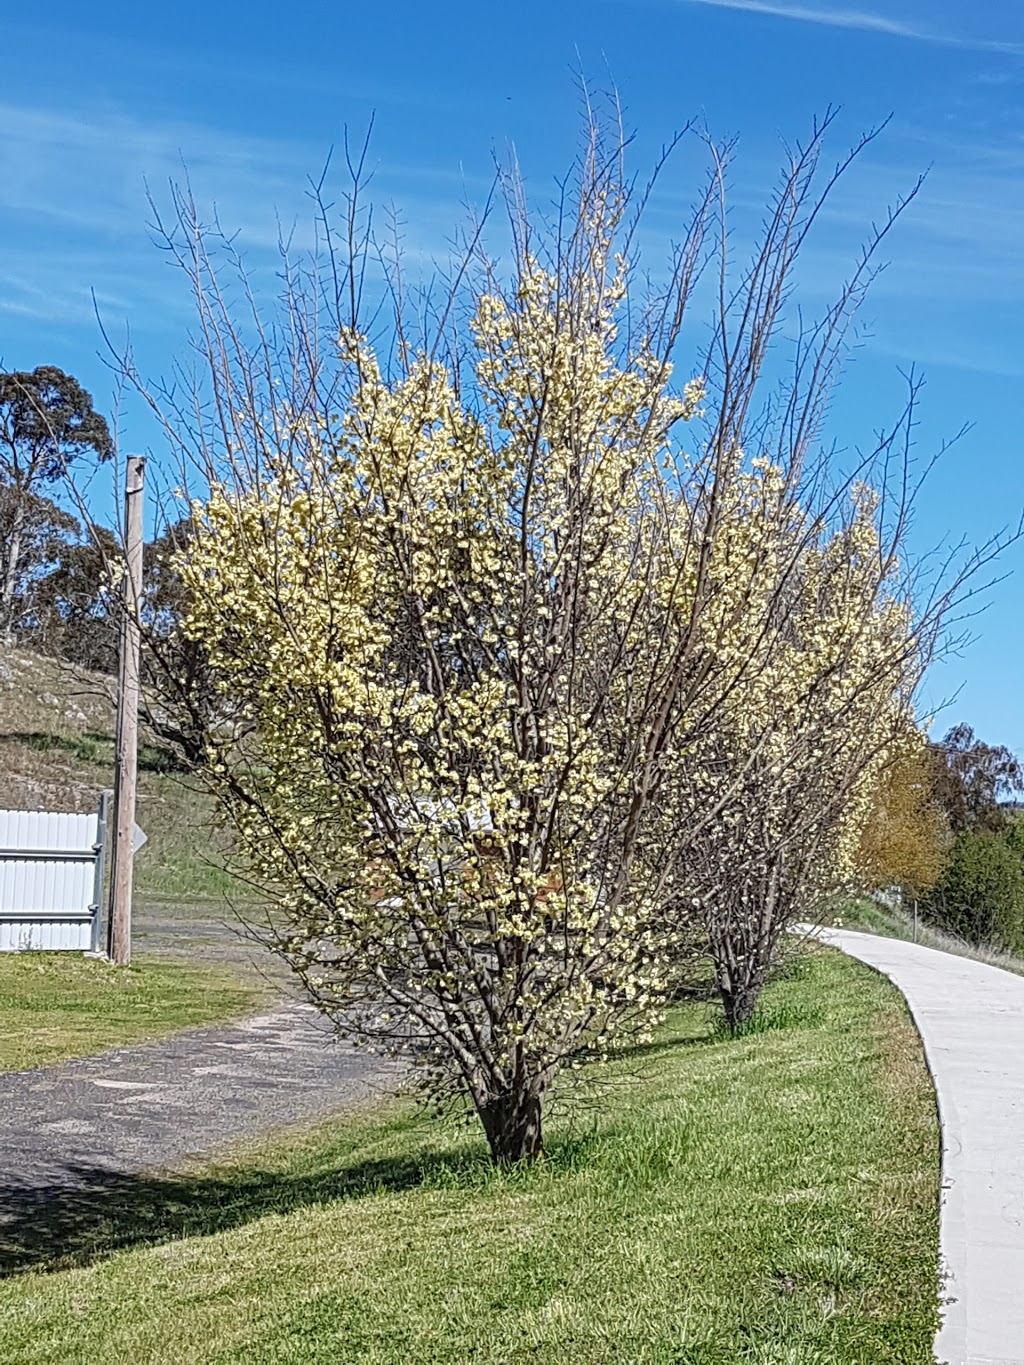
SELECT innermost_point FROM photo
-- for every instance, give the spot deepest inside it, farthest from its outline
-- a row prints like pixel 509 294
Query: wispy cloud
pixel 74 211
pixel 87 169
pixel 868 22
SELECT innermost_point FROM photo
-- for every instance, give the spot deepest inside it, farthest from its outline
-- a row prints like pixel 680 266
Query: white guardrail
pixel 51 880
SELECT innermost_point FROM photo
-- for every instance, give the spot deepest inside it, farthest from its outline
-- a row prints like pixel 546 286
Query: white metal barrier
pixel 51 879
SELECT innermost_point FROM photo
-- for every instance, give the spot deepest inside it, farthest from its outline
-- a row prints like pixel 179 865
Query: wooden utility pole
pixel 119 936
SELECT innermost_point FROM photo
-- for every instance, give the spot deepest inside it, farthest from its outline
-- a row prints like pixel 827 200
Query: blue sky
pixel 109 97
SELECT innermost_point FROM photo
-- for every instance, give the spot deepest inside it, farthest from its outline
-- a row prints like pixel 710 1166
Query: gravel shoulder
pixel 72 1131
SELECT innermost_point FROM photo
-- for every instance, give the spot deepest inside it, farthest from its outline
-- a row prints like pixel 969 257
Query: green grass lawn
pixel 59 1005
pixel 765 1200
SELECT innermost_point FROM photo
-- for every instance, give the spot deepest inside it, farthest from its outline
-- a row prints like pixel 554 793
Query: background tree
pixel 905 839
pixel 980 895
pixel 972 779
pixel 180 702
pixel 833 660
pixel 43 534
pixel 47 421
pixel 74 615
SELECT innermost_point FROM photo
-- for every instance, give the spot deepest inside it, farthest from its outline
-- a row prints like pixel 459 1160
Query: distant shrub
pixel 980 895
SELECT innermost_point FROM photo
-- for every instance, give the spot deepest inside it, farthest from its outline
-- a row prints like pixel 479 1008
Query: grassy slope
pixel 57 753
pixel 59 1005
pixel 765 1199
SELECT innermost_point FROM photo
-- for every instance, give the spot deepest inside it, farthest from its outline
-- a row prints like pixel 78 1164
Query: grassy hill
pixel 190 965
pixel 57 753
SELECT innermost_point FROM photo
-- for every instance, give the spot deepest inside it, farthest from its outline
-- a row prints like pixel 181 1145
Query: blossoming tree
pixel 508 624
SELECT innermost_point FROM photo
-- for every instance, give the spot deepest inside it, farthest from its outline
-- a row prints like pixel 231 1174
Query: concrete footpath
pixel 971 1020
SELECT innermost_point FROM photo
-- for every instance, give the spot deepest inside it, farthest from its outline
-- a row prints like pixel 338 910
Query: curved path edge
pixel 971 1020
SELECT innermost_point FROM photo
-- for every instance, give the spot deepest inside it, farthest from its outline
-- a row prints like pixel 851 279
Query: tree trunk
pixel 742 948
pixel 740 977
pixel 740 1001
pixel 10 579
pixel 512 1122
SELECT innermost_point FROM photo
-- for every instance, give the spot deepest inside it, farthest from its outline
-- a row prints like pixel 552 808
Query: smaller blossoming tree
pixel 774 808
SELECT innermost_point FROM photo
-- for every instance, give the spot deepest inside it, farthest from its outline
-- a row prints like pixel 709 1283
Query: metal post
pixel 100 849
pixel 915 919
pixel 126 769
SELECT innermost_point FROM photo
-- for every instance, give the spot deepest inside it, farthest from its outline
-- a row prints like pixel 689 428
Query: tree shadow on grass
pixel 663 1047
pixel 84 1213
pixel 769 1018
